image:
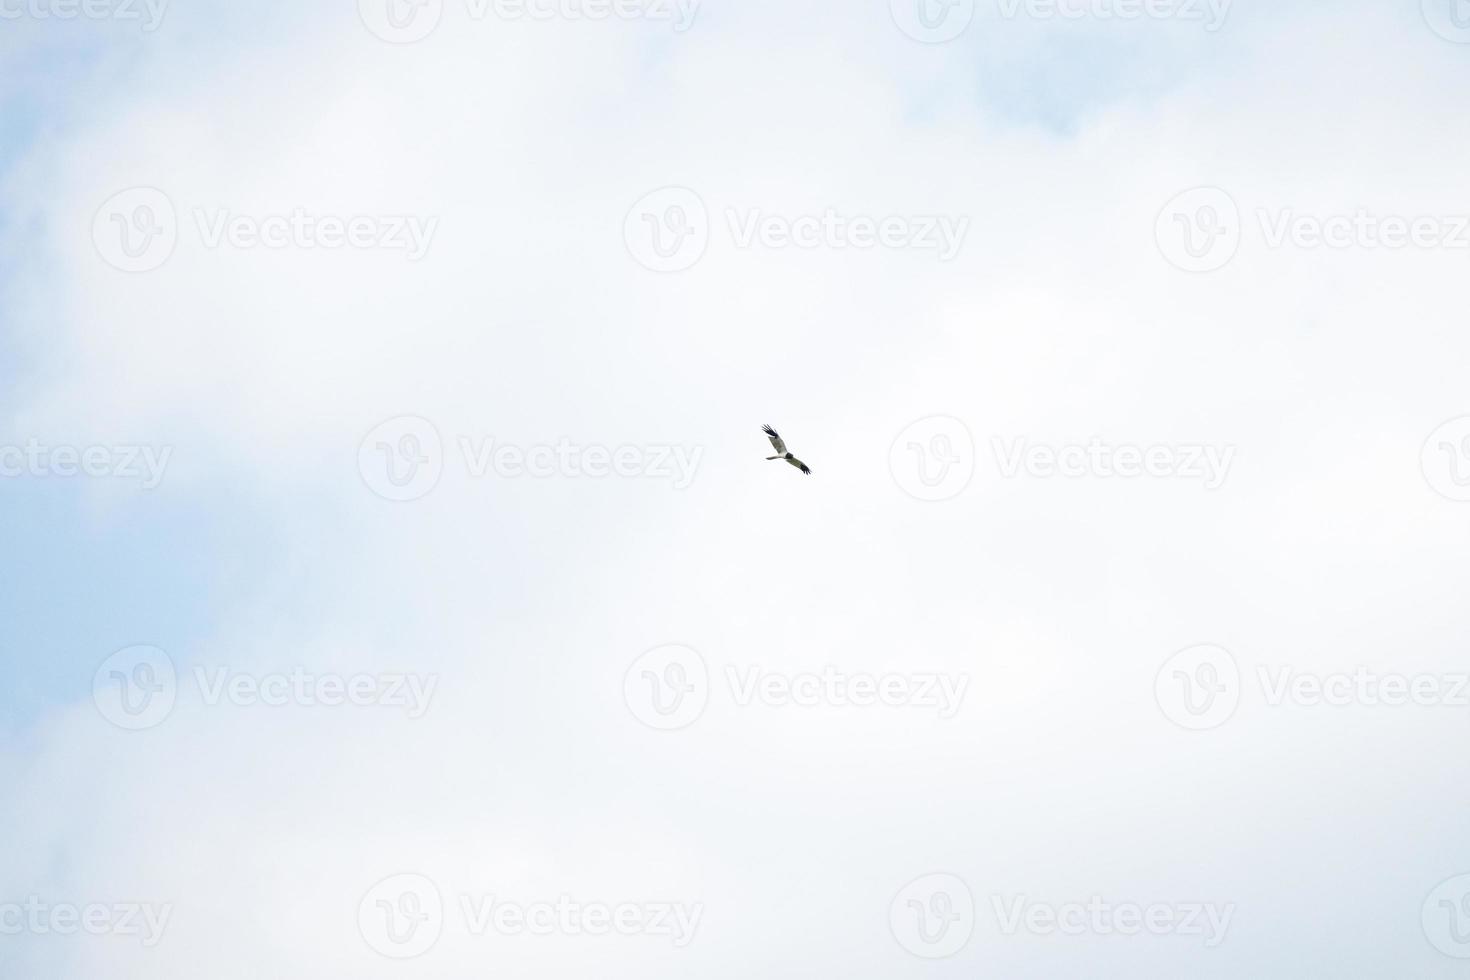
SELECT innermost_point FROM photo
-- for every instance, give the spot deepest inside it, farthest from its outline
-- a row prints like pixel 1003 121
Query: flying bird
pixel 781 452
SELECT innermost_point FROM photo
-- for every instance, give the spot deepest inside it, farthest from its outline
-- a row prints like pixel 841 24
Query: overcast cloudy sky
pixel 395 585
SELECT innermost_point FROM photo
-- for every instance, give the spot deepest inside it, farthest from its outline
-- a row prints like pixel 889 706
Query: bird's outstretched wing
pixel 800 465
pixel 775 439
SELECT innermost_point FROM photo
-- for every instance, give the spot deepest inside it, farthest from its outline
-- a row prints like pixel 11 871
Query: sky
pixel 396 585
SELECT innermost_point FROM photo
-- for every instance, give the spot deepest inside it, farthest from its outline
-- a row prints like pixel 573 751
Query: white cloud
pixel 529 321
